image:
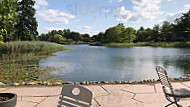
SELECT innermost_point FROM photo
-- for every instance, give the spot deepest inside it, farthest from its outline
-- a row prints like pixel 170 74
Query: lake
pixel 99 63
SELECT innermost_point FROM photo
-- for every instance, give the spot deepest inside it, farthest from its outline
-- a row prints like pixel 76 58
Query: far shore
pixel 152 44
pixel 57 83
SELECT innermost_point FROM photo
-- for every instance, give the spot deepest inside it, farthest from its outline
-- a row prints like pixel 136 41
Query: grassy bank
pixel 27 47
pixel 19 61
pixel 153 44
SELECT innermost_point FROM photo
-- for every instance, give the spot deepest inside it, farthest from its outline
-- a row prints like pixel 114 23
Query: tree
pixel 70 41
pixel 141 35
pixel 67 33
pixel 166 31
pixel 156 33
pixel 121 26
pixel 8 17
pixel 129 35
pixel 181 27
pixel 60 32
pixel 1 38
pixel 43 37
pixel 86 37
pixel 2 32
pixel 76 36
pixel 100 37
pixel 113 34
pixel 27 24
pixel 58 38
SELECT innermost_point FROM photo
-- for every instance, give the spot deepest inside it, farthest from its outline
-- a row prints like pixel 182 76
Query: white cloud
pixel 40 3
pixel 53 28
pixel 55 16
pixel 119 0
pixel 187 6
pixel 77 20
pixel 86 29
pixel 125 14
pixel 169 0
pixel 172 16
pixel 144 10
pixel 111 1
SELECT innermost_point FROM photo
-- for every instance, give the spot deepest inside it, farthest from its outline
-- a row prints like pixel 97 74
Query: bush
pixel 96 44
pixel 1 38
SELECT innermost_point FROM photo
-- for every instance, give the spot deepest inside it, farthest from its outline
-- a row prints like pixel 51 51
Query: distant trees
pixel 58 38
pixel 117 34
pixel 86 37
pixel 181 27
pixel 113 34
pixel 167 32
pixel 64 36
pixel 128 35
pixel 18 22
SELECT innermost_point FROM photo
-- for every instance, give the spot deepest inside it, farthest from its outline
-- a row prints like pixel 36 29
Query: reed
pixel 19 61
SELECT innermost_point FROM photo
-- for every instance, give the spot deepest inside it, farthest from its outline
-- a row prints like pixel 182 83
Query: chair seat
pixel 181 93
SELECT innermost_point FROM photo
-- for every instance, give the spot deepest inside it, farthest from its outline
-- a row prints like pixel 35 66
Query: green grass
pixel 153 44
pixel 26 47
pixel 96 44
pixel 19 61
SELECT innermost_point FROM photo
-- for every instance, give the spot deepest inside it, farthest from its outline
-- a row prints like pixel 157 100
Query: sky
pixel 94 16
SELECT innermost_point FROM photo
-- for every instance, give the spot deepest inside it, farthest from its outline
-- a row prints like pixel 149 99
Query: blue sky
pixel 94 16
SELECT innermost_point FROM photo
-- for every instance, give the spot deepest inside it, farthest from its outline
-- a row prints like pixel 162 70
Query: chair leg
pixel 178 105
pixel 169 104
pixel 176 100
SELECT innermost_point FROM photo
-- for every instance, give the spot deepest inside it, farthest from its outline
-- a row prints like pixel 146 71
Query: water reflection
pixel 85 63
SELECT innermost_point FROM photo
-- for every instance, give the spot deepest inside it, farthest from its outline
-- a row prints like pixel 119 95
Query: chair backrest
pixel 75 96
pixel 165 81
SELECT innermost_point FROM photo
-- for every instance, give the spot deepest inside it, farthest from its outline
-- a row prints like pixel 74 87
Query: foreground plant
pixel 19 62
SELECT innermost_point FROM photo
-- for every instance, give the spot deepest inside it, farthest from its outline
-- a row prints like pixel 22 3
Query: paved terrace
pixel 124 95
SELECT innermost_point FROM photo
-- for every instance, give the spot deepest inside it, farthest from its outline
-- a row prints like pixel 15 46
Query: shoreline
pixel 36 83
pixel 152 44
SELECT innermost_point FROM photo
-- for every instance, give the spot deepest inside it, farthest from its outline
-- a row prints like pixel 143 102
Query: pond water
pixel 99 63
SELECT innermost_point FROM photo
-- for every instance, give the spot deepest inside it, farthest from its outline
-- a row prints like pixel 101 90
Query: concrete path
pixel 126 95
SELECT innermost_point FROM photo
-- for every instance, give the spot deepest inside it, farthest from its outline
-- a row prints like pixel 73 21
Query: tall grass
pixel 26 47
pixel 153 44
pixel 19 61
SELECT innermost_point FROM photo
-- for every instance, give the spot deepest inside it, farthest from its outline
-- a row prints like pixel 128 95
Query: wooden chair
pixel 75 96
pixel 172 95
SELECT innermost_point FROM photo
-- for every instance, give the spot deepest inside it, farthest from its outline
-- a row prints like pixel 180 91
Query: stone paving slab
pixel 179 85
pixel 2 89
pixel 113 101
pixel 158 88
pixel 187 84
pixel 140 88
pixel 25 104
pixel 49 102
pixel 33 99
pixel 117 91
pixel 34 91
pixel 97 90
pixel 151 98
pixel 136 95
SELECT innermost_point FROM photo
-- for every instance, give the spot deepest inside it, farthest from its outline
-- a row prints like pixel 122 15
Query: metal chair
pixel 172 95
pixel 75 96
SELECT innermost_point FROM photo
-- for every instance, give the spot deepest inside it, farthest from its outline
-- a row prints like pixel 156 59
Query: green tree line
pixel 17 21
pixel 65 36
pixel 167 32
